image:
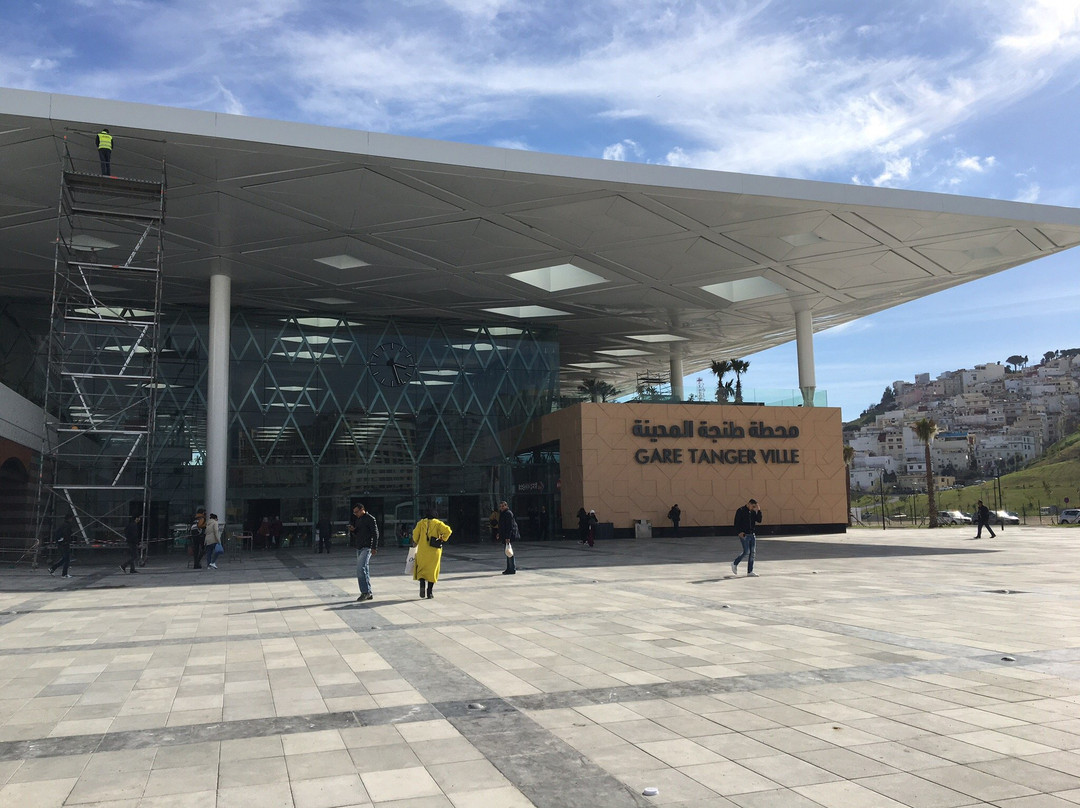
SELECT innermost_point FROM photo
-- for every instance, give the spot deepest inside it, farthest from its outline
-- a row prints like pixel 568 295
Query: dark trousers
pixel 133 553
pixel 511 566
pixel 196 550
pixel 749 548
pixel 65 559
pixel 979 528
pixel 106 161
pixel 323 544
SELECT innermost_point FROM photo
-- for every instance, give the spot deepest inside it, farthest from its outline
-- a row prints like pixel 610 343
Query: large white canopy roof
pixel 622 257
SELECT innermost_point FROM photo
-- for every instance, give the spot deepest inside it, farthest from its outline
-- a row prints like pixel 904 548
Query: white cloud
pixel 232 103
pixel 895 171
pixel 504 143
pixel 974 163
pixel 623 150
pixel 677 157
pixel 44 64
pixel 1029 193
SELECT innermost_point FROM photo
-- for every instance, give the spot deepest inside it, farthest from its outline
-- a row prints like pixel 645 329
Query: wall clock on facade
pixel 392 365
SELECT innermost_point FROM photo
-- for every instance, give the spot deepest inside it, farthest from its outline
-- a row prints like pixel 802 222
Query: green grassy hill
pixel 1047 481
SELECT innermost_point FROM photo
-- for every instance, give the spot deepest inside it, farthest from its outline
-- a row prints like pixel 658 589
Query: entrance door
pixel 260 516
pixel 464 518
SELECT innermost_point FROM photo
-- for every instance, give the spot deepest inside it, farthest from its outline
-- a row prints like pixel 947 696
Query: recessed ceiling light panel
pixel 745 289
pixel 342 262
pixel 656 337
pixel 527 312
pixel 558 278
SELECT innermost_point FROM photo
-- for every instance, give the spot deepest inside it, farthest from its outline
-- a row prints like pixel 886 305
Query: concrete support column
pixel 677 392
pixel 217 394
pixel 804 343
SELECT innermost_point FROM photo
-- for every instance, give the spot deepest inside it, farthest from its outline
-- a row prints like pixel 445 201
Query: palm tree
pixel 738 367
pixel 925 430
pixel 598 390
pixel 849 456
pixel 724 390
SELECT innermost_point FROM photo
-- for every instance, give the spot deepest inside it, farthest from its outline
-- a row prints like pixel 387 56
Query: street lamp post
pixel 997 492
pixel 881 494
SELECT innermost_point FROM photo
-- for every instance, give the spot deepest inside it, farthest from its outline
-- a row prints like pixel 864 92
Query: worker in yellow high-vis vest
pixel 104 150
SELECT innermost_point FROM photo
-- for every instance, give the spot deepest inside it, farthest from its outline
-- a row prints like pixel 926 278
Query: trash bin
pixel 642 529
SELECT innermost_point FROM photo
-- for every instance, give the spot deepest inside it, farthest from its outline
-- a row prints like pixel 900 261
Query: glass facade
pixel 326 411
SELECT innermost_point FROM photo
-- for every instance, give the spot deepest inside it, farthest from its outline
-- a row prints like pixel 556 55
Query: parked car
pixel 1070 516
pixel 1004 518
pixel 952 518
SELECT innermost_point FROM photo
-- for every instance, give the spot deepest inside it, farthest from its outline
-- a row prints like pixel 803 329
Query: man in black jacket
pixel 64 535
pixel 365 533
pixel 133 535
pixel 508 532
pixel 745 518
pixel 982 519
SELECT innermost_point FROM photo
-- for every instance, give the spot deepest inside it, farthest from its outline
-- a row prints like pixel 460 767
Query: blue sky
pixel 973 97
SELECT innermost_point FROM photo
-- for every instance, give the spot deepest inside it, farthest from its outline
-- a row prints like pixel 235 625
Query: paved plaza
pixel 906 667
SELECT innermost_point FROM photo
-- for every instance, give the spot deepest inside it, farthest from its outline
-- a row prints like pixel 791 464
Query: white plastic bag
pixel 509 550
pixel 410 561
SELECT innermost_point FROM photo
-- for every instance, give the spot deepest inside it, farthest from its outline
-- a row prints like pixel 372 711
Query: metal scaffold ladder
pixel 103 349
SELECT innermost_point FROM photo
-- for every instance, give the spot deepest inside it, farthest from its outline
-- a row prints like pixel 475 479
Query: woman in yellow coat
pixel 428 556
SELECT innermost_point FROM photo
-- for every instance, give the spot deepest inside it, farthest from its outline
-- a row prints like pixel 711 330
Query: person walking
pixel 365 533
pixel 325 529
pixel 104 142
pixel 429 536
pixel 982 519
pixel 198 536
pixel 213 542
pixel 63 537
pixel 508 532
pixel 582 525
pixel 675 515
pixel 133 535
pixel 745 518
pixel 593 522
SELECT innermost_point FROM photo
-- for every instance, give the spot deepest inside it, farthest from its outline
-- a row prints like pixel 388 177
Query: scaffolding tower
pixel 103 350
pixel 653 385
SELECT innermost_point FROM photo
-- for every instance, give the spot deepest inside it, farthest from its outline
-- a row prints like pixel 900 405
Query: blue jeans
pixel 65 558
pixel 212 553
pixel 749 547
pixel 363 577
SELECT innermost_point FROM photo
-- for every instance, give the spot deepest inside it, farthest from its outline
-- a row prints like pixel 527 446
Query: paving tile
pixel 911 790
pixel 329 792
pixel 268 795
pixel 38 793
pixel 679 753
pixel 399 784
pixel 788 770
pixel 846 794
pixel 975 783
pixel 728 778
